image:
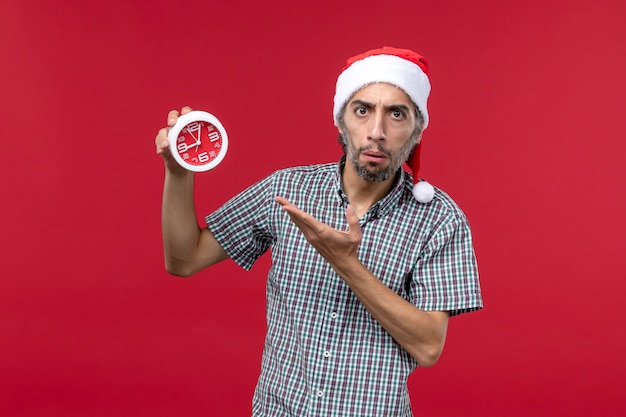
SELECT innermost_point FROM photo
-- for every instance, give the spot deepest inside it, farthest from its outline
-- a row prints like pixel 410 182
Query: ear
pixel 419 138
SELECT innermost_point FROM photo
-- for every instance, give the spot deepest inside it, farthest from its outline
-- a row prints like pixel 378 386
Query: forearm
pixel 421 333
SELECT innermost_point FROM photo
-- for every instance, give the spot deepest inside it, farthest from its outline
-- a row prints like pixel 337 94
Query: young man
pixel 368 262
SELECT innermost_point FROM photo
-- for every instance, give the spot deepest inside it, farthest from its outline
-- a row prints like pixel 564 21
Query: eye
pixel 397 114
pixel 361 111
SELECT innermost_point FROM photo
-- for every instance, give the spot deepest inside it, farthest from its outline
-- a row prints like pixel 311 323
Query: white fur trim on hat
pixel 387 69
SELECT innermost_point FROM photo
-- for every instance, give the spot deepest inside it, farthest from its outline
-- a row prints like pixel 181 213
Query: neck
pixel 361 193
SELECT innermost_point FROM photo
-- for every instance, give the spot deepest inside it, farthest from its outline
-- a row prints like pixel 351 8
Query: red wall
pixel 527 134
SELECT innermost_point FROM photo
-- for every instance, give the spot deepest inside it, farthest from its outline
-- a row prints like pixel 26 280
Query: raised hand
pixel 161 141
pixel 339 248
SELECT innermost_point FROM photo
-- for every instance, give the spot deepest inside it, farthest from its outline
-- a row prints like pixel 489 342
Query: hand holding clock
pixel 162 142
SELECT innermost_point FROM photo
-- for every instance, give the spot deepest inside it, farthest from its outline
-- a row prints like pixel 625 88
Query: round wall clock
pixel 198 141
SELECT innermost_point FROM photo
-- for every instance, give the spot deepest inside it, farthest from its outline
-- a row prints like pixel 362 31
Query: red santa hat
pixel 400 67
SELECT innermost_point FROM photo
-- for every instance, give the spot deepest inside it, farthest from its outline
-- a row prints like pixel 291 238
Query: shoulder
pixel 305 173
pixel 444 203
pixel 307 169
pixel 443 209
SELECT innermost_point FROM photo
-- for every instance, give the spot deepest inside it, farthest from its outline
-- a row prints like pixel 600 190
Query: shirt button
pixel 327 354
pixel 320 393
pixel 334 315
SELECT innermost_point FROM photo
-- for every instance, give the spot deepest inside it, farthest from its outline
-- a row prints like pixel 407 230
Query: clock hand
pixel 183 147
pixel 194 138
pixel 198 143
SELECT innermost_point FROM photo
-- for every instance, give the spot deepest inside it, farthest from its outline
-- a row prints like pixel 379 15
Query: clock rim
pixel 184 120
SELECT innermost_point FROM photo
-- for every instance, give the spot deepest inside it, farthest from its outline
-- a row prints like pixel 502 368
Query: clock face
pixel 198 141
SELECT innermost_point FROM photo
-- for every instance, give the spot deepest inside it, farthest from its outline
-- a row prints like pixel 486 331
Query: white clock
pixel 198 141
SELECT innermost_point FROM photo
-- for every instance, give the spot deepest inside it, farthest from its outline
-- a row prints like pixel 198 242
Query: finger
pixel 282 201
pixel 172 117
pixel 301 218
pixel 353 220
pixel 291 209
pixel 161 141
pixel 286 205
pixel 311 229
pixel 185 110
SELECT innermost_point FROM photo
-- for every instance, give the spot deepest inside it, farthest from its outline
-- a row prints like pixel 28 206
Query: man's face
pixel 379 130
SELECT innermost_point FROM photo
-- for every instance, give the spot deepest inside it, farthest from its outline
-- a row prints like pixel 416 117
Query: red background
pixel 527 134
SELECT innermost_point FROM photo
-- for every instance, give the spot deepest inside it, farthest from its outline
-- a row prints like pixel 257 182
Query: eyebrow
pixel 366 104
pixel 360 103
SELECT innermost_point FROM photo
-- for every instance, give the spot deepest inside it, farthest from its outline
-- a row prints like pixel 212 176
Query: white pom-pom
pixel 423 192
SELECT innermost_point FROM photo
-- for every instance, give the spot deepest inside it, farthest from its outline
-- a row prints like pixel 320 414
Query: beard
pixel 371 171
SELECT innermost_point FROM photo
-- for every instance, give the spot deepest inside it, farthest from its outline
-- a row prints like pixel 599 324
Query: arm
pixel 421 333
pixel 187 247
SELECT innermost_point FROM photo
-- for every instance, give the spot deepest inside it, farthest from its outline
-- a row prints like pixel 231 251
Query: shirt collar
pixel 383 206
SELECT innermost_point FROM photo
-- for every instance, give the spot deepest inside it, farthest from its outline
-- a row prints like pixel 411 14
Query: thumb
pixel 353 220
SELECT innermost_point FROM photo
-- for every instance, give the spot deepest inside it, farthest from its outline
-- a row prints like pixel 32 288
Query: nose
pixel 377 127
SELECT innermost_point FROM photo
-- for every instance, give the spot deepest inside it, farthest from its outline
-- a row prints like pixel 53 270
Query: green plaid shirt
pixel 324 354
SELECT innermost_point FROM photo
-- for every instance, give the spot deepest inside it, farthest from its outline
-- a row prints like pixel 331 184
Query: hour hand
pixel 183 147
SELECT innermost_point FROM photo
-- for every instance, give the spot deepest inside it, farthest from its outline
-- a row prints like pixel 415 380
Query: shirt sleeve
pixel 446 275
pixel 241 225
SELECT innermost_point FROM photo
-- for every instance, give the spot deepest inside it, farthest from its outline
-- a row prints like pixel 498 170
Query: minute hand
pixel 198 143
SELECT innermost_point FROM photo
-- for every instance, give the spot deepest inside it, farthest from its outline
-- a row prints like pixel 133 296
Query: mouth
pixel 374 156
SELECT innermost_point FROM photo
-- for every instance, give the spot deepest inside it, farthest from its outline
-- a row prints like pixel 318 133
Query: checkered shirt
pixel 324 354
